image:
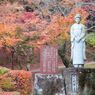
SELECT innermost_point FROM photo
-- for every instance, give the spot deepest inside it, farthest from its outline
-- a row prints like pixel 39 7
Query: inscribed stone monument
pixel 49 60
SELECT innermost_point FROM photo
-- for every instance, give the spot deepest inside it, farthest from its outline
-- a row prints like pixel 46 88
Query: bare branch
pixel 91 28
pixel 88 3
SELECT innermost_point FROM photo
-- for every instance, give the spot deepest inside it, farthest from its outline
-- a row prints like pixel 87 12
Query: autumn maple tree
pixel 37 23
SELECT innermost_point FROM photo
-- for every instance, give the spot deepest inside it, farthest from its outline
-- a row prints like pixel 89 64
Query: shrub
pixel 23 81
pixel 7 84
pixel 3 70
pixel 16 80
pixel 90 39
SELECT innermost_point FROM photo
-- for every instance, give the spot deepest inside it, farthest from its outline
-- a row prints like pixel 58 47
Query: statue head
pixel 77 18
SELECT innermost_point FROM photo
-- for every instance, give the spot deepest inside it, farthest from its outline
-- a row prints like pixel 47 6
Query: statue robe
pixel 78 32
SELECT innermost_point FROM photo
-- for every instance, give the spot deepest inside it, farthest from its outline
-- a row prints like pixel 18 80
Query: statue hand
pixel 78 40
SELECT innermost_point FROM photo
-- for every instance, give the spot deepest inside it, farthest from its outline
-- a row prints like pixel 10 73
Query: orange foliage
pixel 81 11
pixel 49 33
pixel 7 34
pixel 22 80
pixel 24 83
pixel 59 27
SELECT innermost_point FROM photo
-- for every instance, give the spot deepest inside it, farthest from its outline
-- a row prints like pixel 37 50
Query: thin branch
pixel 91 28
pixel 58 6
pixel 61 10
pixel 88 3
pixel 39 8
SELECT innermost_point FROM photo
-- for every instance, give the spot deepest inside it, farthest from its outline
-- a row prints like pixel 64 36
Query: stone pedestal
pixel 71 81
pixel 79 81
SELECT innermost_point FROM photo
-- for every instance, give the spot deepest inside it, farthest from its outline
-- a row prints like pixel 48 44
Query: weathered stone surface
pixel 74 81
pixel 79 81
pixel 49 84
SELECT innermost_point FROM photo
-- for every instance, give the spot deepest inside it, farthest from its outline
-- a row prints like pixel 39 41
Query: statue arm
pixel 72 34
pixel 83 34
pixel 72 40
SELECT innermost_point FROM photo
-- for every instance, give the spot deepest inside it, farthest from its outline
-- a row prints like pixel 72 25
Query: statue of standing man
pixel 78 33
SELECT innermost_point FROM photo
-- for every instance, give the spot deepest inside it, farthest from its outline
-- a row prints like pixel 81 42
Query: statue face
pixel 77 20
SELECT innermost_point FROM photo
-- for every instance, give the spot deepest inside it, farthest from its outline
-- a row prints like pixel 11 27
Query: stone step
pixel 87 65
pixel 90 65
